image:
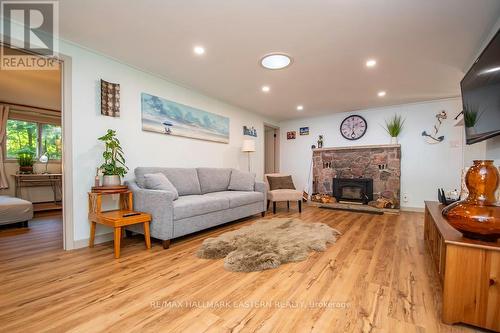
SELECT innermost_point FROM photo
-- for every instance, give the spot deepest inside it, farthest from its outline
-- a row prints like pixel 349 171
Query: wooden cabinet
pixel 469 271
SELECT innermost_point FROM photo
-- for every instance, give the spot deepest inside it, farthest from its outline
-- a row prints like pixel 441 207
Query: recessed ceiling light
pixel 266 88
pixel 276 61
pixel 371 63
pixel 199 50
pixel 381 93
pixel 300 107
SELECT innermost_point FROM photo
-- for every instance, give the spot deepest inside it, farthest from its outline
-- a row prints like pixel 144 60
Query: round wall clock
pixel 353 127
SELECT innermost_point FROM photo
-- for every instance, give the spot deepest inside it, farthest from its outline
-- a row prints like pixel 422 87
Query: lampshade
pixel 44 158
pixel 248 146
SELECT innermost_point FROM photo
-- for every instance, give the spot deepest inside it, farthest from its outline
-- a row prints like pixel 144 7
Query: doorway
pixel 271 149
pixel 31 102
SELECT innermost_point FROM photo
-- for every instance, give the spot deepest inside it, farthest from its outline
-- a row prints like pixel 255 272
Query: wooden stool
pixel 116 218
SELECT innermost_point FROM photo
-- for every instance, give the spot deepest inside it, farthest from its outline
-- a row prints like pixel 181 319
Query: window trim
pixel 39 147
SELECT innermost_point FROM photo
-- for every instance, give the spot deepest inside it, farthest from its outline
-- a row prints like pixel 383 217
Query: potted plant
pixel 471 116
pixel 114 166
pixel 394 127
pixel 25 158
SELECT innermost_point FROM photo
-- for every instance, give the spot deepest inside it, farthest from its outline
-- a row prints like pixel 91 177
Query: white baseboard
pixel 412 209
pixel 81 243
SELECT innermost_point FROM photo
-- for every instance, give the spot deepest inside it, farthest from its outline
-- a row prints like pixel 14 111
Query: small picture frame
pixel 249 131
pixel 291 135
pixel 304 131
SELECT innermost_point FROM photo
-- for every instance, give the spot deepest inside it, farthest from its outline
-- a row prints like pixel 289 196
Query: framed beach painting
pixel 170 118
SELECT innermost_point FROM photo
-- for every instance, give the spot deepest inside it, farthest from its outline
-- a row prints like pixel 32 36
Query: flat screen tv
pixel 481 95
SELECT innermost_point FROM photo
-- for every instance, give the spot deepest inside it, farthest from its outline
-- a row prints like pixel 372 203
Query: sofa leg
pixel 263 213
pixel 166 243
pixel 288 205
pixel 274 207
pixel 268 202
pixel 24 224
pixel 300 206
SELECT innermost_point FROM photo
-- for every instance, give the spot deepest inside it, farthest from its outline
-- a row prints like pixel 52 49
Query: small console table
pixel 54 180
pixel 469 272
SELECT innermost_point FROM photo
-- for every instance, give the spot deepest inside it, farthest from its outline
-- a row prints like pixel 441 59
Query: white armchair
pixel 282 194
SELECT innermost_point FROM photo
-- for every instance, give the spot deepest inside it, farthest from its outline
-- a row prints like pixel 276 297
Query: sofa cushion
pixel 280 183
pixel 185 180
pixel 158 181
pixel 213 179
pixel 238 198
pixel 241 181
pixel 193 205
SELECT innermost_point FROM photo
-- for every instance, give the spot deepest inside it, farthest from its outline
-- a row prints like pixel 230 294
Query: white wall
pixel 142 148
pixel 424 167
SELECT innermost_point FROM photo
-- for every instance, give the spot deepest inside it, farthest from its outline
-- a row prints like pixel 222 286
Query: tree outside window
pixel 36 138
pixel 21 135
pixel 51 141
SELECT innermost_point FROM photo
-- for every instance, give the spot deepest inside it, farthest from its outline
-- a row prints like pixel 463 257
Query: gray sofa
pixel 204 201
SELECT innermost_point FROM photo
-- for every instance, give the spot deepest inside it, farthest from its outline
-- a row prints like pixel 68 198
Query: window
pixel 51 141
pixel 37 138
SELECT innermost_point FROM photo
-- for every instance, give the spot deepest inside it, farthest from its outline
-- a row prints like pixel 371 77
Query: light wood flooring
pixel 376 278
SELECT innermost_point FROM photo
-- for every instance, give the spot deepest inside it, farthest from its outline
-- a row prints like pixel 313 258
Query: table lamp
pixel 45 159
pixel 248 147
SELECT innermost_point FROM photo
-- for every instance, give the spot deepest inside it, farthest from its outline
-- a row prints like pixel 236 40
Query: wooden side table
pixel 116 218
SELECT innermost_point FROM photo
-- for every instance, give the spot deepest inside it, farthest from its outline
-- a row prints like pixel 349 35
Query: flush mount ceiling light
pixel 276 61
pixel 266 88
pixel 199 50
pixel 300 107
pixel 381 93
pixel 371 63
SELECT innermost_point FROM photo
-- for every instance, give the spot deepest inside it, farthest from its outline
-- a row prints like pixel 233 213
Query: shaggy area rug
pixel 267 244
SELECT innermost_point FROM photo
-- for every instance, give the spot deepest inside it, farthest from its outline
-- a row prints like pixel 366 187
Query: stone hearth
pixel 382 163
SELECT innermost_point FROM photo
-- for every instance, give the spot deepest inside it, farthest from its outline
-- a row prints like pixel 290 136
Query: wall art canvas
pixel 304 131
pixel 170 118
pixel 110 99
pixel 249 131
pixel 291 135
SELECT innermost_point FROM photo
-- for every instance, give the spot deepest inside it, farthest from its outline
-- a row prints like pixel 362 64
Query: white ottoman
pixel 14 210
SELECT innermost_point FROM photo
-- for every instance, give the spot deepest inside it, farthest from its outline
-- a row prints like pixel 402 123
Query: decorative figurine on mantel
pixel 320 141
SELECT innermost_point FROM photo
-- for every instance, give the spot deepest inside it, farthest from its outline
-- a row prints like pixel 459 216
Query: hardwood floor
pixel 376 278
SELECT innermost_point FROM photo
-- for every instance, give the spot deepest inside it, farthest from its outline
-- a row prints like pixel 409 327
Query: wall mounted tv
pixel 481 95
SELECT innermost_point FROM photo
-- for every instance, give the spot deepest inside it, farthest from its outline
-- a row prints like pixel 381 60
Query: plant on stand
pixel 114 166
pixel 394 127
pixel 471 116
pixel 25 158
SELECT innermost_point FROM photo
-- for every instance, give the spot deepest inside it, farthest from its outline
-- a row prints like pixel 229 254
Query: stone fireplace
pixel 353 189
pixel 380 163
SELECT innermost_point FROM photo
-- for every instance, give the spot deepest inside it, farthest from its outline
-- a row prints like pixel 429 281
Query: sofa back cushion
pixel 214 179
pixel 185 180
pixel 241 181
pixel 158 181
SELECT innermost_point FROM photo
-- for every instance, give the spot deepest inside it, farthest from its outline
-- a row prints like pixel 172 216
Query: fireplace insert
pixel 353 189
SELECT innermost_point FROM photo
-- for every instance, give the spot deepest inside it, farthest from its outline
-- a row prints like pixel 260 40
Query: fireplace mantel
pixel 357 147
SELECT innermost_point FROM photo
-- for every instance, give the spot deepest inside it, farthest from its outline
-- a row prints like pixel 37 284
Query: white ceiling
pixel 422 47
pixel 37 88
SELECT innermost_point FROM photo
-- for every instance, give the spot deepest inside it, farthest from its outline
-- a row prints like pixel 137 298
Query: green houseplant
pixel 471 117
pixel 25 158
pixel 114 166
pixel 394 127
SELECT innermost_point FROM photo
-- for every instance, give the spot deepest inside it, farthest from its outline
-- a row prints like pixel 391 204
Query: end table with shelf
pixel 116 219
